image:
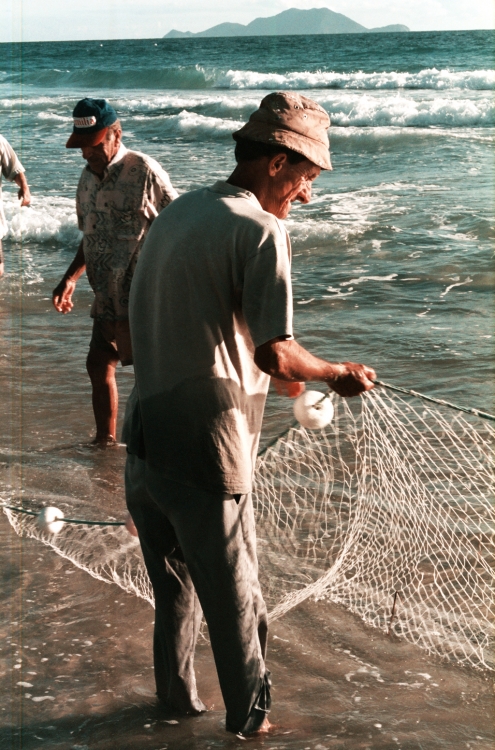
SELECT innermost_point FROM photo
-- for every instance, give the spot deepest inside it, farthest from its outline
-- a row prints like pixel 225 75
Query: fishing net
pixel 388 511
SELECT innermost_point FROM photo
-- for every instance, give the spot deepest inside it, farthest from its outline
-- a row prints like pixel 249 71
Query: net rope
pixel 388 511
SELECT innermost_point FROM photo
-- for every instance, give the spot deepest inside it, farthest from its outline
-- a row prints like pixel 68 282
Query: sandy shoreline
pixel 76 673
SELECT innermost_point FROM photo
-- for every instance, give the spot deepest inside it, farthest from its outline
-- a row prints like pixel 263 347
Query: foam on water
pixel 401 111
pixel 194 77
pixel 49 218
pixel 352 110
pixel 211 115
pixel 192 125
pixel 425 79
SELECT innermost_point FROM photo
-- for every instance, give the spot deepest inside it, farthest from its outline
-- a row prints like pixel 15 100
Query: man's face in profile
pixel 289 183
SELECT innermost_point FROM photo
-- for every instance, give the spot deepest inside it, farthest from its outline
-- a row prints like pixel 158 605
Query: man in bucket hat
pixel 120 193
pixel 211 321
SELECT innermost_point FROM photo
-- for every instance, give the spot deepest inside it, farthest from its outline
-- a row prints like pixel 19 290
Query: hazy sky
pixel 47 20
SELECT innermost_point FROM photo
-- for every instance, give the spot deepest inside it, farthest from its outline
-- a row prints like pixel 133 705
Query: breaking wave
pixel 426 79
pixel 215 115
pixel 190 77
pixel 48 219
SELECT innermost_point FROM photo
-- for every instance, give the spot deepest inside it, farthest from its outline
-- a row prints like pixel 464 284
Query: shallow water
pixel 393 266
pixel 77 672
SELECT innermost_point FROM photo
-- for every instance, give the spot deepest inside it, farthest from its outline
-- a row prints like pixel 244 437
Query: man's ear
pixel 276 163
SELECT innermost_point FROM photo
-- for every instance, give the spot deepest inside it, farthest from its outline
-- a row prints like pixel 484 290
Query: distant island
pixel 289 22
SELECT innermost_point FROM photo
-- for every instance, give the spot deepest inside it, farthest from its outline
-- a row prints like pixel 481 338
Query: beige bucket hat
pixel 293 121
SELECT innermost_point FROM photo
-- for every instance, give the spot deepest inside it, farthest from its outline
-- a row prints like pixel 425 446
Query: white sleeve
pixel 11 166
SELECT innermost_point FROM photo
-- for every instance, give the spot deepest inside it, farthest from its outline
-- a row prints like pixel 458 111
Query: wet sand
pixel 76 673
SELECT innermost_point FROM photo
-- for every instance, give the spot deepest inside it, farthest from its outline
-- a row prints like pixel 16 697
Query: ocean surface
pixel 392 266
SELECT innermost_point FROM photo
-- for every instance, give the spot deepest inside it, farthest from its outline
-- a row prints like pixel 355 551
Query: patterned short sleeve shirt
pixel 114 214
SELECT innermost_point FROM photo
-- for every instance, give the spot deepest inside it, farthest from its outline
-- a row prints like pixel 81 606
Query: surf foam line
pixel 393 497
pixel 429 78
pixel 353 110
pixel 48 218
pixel 198 77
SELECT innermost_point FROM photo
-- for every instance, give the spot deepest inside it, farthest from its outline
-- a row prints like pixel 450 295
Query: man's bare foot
pixel 263 729
pixel 103 441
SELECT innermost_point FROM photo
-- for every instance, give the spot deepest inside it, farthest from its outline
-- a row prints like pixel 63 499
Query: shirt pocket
pixel 126 222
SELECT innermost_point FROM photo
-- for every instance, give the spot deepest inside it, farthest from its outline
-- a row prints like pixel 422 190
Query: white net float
pixel 313 410
pixel 49 519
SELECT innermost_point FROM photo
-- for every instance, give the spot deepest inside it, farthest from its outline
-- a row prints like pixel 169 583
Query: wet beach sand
pixel 76 659
pixel 76 672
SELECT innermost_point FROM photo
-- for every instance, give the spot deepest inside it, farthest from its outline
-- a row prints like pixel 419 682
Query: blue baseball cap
pixel 92 118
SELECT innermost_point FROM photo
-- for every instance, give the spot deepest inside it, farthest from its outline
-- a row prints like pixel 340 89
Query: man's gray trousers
pixel 201 545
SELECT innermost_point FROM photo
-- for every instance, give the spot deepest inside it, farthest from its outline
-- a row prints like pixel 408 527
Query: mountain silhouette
pixel 292 21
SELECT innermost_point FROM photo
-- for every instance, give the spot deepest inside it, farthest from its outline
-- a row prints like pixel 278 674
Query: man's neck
pixel 248 177
pixel 101 174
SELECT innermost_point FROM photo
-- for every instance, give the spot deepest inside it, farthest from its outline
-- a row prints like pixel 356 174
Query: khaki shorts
pixel 113 337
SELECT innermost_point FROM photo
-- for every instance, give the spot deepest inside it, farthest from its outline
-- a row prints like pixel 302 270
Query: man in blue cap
pixel 120 193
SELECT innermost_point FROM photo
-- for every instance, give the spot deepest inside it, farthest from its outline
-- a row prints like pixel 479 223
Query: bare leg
pixel 1 269
pixel 101 370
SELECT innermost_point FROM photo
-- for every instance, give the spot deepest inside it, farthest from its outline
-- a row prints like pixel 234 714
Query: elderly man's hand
pixel 352 379
pixel 62 296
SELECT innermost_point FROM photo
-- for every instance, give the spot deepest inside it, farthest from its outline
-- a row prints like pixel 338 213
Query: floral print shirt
pixel 114 213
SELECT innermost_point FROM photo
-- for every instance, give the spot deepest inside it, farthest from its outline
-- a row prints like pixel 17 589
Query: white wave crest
pixel 430 78
pixel 48 218
pixel 218 116
pixel 53 116
pixel 402 111
pixel 310 232
pixel 193 124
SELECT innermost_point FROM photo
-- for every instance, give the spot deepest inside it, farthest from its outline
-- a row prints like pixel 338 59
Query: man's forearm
pixel 77 267
pixel 287 360
pixel 24 192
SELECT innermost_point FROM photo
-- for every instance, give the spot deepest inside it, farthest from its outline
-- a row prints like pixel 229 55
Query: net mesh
pixel 388 512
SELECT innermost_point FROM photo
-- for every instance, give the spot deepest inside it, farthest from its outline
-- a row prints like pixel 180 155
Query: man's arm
pixel 287 360
pixel 24 193
pixel 62 294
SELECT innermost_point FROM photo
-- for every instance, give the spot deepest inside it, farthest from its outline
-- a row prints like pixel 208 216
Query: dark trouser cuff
pixel 258 711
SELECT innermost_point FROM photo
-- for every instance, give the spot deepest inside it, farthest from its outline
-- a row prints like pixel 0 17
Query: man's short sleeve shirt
pixel 211 285
pixel 114 214
pixel 10 167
